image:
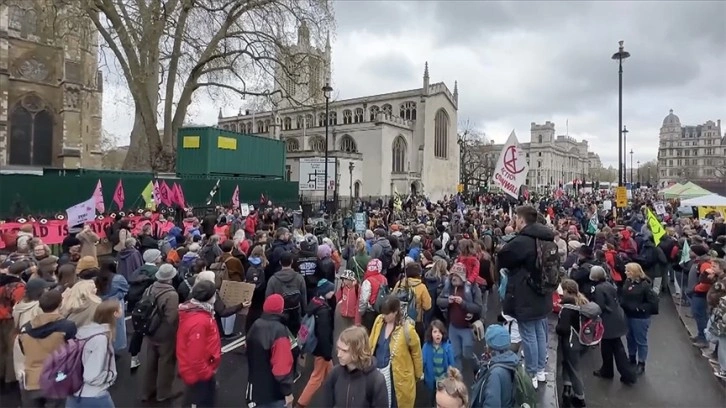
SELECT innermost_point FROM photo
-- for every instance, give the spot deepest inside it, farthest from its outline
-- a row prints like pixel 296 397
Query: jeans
pixel 103 401
pixel 637 338
pixel 462 344
pixel 699 309
pixel 534 344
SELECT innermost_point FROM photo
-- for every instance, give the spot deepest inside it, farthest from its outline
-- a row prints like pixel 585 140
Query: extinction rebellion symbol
pixel 510 160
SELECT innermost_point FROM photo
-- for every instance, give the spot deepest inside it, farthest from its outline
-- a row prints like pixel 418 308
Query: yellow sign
pixel 460 188
pixel 655 227
pixel 227 143
pixel 190 142
pixel 705 210
pixel 621 197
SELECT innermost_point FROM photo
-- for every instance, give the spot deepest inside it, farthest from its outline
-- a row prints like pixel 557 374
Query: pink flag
pixel 180 196
pixel 156 194
pixel 235 197
pixel 98 197
pixel 165 194
pixel 118 195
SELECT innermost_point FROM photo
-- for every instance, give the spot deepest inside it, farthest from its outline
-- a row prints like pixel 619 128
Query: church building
pixel 398 142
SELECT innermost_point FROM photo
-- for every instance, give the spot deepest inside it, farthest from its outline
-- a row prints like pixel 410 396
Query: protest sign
pixel 511 170
pixel 235 293
pixel 82 213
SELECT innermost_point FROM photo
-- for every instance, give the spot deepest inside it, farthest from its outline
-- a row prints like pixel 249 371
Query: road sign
pixel 621 197
pixel 312 174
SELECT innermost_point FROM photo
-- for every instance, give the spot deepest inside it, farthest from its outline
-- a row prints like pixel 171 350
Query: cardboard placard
pixel 235 293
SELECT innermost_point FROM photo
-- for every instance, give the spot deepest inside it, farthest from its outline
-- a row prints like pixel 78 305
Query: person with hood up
pixel 319 307
pixel 279 246
pixel 373 282
pixel 325 268
pixel 255 275
pixel 291 286
pixel 25 310
pixel 80 303
pixel 307 262
pixel 627 244
pixel 198 345
pixel 355 382
pixel 270 357
pixel 498 389
pixel 188 259
pixel 40 337
pixel 129 258
pixel 521 301
pixel 382 250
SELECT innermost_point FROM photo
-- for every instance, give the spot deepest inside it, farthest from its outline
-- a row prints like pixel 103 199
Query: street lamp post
pixel 625 152
pixel 631 165
pixel 351 166
pixel 327 89
pixel 620 56
pixel 638 163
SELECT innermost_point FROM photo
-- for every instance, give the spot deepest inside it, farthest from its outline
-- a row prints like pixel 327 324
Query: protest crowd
pixel 389 316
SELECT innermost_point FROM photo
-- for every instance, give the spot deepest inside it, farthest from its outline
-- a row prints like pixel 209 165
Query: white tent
pixel 711 200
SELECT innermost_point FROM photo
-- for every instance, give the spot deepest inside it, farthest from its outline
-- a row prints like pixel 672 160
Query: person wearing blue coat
pixel 111 285
pixel 437 355
pixel 498 389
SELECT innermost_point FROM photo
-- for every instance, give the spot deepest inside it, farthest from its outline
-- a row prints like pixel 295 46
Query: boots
pixel 640 370
pixel 632 360
pixel 567 397
pixel 578 402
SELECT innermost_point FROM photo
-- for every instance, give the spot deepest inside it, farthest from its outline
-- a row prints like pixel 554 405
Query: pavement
pixel 232 376
pixel 676 373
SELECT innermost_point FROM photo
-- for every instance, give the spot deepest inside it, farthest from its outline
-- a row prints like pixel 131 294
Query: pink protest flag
pixel 180 196
pixel 118 195
pixel 98 198
pixel 156 194
pixel 165 194
pixel 235 197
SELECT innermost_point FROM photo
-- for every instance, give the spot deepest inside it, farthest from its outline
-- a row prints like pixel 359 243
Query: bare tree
pixel 476 164
pixel 168 50
pixel 113 155
pixel 648 172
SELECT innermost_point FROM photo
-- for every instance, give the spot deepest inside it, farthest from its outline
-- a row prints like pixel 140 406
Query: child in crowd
pixel 437 355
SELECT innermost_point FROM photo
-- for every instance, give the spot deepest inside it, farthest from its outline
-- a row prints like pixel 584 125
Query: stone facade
pixel 690 153
pixel 553 160
pixel 396 142
pixel 50 87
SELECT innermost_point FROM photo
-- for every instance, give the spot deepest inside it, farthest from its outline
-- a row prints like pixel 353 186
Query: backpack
pixel 292 298
pixel 549 265
pixel 221 273
pixel 207 253
pixel 407 297
pixel 523 393
pixel 145 316
pixel 306 338
pixel 621 260
pixel 591 326
pixel 62 373
pixel 387 258
pixel 383 292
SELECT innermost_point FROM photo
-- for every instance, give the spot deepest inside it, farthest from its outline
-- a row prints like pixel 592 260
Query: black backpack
pixel 549 267
pixel 145 316
pixel 387 258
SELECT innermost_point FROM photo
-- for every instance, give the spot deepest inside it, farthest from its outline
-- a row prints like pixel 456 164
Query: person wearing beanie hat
pixel 86 262
pixel 152 260
pixel 269 356
pixel 373 282
pixel 499 384
pixel 325 322
pixel 198 345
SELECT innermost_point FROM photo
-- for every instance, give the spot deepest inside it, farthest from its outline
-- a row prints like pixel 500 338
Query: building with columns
pixel 553 160
pixel 50 87
pixel 691 153
pixel 404 141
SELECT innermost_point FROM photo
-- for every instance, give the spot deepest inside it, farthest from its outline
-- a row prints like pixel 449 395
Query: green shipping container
pixel 215 152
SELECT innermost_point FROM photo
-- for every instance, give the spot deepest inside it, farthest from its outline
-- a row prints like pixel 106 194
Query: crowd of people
pixel 391 312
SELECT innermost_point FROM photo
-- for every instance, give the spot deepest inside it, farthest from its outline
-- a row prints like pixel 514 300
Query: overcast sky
pixel 522 62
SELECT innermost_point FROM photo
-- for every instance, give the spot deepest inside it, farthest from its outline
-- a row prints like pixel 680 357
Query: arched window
pixel 408 110
pixel 441 134
pixel 374 111
pixel 287 123
pixel 292 145
pixel 321 119
pixel 30 22
pixel 356 189
pixel 347 117
pixel 260 126
pixel 358 117
pixel 539 138
pixel 267 125
pixel 317 144
pixel 387 109
pixel 348 145
pixel 31 133
pixel 299 122
pixel 309 120
pixel 333 118
pixel 399 155
pixel 17 15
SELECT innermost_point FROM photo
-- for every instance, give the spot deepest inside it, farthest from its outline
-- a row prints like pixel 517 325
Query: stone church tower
pixel 50 87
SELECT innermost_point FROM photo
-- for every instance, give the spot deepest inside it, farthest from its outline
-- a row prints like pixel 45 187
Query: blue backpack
pixel 306 338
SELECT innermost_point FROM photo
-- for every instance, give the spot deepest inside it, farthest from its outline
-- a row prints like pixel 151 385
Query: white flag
pixel 511 169
pixel 81 213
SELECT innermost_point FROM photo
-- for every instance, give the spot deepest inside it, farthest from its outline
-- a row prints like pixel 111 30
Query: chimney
pixel 718 123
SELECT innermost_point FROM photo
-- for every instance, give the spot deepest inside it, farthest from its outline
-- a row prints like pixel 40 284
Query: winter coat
pixel 167 302
pixel 380 247
pixel 287 281
pixel 88 239
pixel 118 290
pixel 405 359
pixel 12 290
pixel 472 303
pixel 499 386
pixel 234 267
pixel 325 269
pixel 323 327
pixel 83 315
pixel 421 293
pixel 347 298
pixel 129 260
pixel 256 275
pixel 427 355
pixel 99 364
pixel 276 250
pixel 37 340
pixel 651 259
pixel 357 388
pixel 605 294
pixel 358 264
pixel 198 345
pixel 24 311
pixel 372 282
pixel 269 356
pixel 638 299
pixel 471 263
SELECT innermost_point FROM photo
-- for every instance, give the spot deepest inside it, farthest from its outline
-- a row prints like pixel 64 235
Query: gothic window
pixel 17 16
pixel 249 128
pixel 308 120
pixel 333 118
pixel 408 110
pixel 260 126
pixel 292 145
pixel 299 121
pixel 374 111
pixel 348 145
pixel 321 119
pixel 347 117
pixel 399 155
pixel 356 189
pixel 30 22
pixel 31 133
pixel 539 138
pixel 358 117
pixel 267 125
pixel 387 109
pixel 441 134
pixel 317 144
pixel 288 124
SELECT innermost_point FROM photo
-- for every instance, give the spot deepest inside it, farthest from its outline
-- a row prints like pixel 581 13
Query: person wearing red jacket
pixel 470 259
pixel 198 346
pixel 373 280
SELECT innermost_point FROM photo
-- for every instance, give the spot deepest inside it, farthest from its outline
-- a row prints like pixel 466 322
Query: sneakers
pixel 535 383
pixel 720 374
pixel 701 344
pixel 541 377
pixel 135 362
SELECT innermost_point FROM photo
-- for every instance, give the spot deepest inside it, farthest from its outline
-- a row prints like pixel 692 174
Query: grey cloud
pixel 390 67
pixel 380 17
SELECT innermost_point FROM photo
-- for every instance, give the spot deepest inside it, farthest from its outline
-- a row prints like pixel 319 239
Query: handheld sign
pixel 512 167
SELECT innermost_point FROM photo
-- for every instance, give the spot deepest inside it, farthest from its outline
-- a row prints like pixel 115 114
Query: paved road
pixel 676 374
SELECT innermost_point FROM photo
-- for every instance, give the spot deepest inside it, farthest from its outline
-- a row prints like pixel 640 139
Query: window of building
pixel 321 119
pixel 358 117
pixel 356 189
pixel 287 123
pixel 299 122
pixel 267 125
pixel 348 145
pixel 16 18
pixel 249 127
pixel 539 138
pixel 408 110
pixel 387 109
pixel 333 118
pixel 260 126
pixel 374 111
pixel 317 144
pixel 441 134
pixel 31 133
pixel 399 155
pixel 539 154
pixel 292 145
pixel 347 117
pixel 308 120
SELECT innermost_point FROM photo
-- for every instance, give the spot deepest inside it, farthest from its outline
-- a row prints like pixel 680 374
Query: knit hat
pixel 374 265
pixel 324 287
pixel 151 255
pixel 459 270
pixel 497 337
pixel 699 250
pixel 166 272
pixel 203 291
pixel 86 262
pixel 274 304
pixel 35 287
pixel 347 275
pixel 194 247
pixel 574 245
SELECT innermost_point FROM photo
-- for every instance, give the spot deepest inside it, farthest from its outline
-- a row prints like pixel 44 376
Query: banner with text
pixel 511 170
